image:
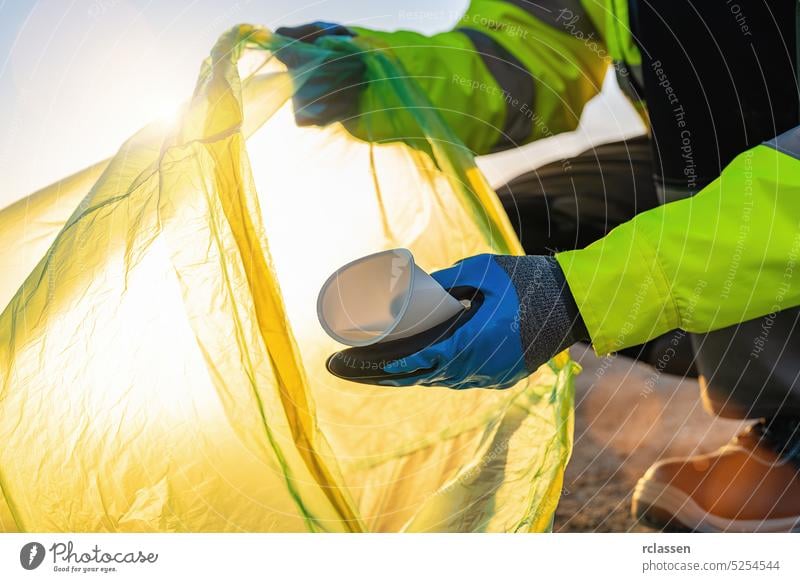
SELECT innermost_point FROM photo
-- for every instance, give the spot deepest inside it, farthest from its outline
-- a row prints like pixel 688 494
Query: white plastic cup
pixel 382 297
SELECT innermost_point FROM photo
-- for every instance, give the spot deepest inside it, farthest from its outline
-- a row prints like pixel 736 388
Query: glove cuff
pixel 549 320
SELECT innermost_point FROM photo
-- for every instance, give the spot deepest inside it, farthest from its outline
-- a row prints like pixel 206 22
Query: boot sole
pixel 667 508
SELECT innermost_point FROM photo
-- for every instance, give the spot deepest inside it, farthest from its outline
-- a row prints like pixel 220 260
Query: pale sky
pixel 77 77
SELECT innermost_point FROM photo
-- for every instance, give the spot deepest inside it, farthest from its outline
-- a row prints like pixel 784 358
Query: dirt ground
pixel 622 427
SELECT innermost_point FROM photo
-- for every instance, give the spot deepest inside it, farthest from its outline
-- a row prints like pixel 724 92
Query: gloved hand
pixel 522 314
pixel 330 91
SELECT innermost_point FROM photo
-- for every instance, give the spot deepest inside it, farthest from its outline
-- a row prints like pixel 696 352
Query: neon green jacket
pixel 514 71
pixel 509 73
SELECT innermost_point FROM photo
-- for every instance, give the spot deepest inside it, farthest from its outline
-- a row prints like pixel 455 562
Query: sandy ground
pixel 621 428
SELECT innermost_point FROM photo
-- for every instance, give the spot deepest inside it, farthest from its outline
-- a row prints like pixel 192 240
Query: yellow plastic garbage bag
pixel 161 366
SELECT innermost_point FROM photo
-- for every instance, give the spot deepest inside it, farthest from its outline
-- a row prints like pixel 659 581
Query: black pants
pixel 751 370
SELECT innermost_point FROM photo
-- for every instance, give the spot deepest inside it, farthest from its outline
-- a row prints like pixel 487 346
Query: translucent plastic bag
pixel 161 366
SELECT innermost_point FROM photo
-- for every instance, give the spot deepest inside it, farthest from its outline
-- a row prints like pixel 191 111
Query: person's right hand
pixel 330 91
pixel 521 314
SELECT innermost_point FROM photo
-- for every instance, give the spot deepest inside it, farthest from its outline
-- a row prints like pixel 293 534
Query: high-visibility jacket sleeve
pixel 510 72
pixel 729 254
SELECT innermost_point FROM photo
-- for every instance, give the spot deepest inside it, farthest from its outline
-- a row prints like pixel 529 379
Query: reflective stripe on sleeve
pixel 516 83
pixel 787 143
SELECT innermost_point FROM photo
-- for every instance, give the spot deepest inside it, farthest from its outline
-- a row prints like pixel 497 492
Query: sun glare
pixel 167 113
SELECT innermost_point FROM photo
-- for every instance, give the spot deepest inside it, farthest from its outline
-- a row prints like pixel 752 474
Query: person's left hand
pixel 330 91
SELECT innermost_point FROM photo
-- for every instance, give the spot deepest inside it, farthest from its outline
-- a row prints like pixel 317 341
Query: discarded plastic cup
pixel 382 297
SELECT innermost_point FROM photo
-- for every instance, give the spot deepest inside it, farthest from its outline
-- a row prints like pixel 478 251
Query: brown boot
pixel 750 485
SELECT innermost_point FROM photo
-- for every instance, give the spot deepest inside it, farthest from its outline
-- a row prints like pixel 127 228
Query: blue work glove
pixel 330 91
pixel 522 313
